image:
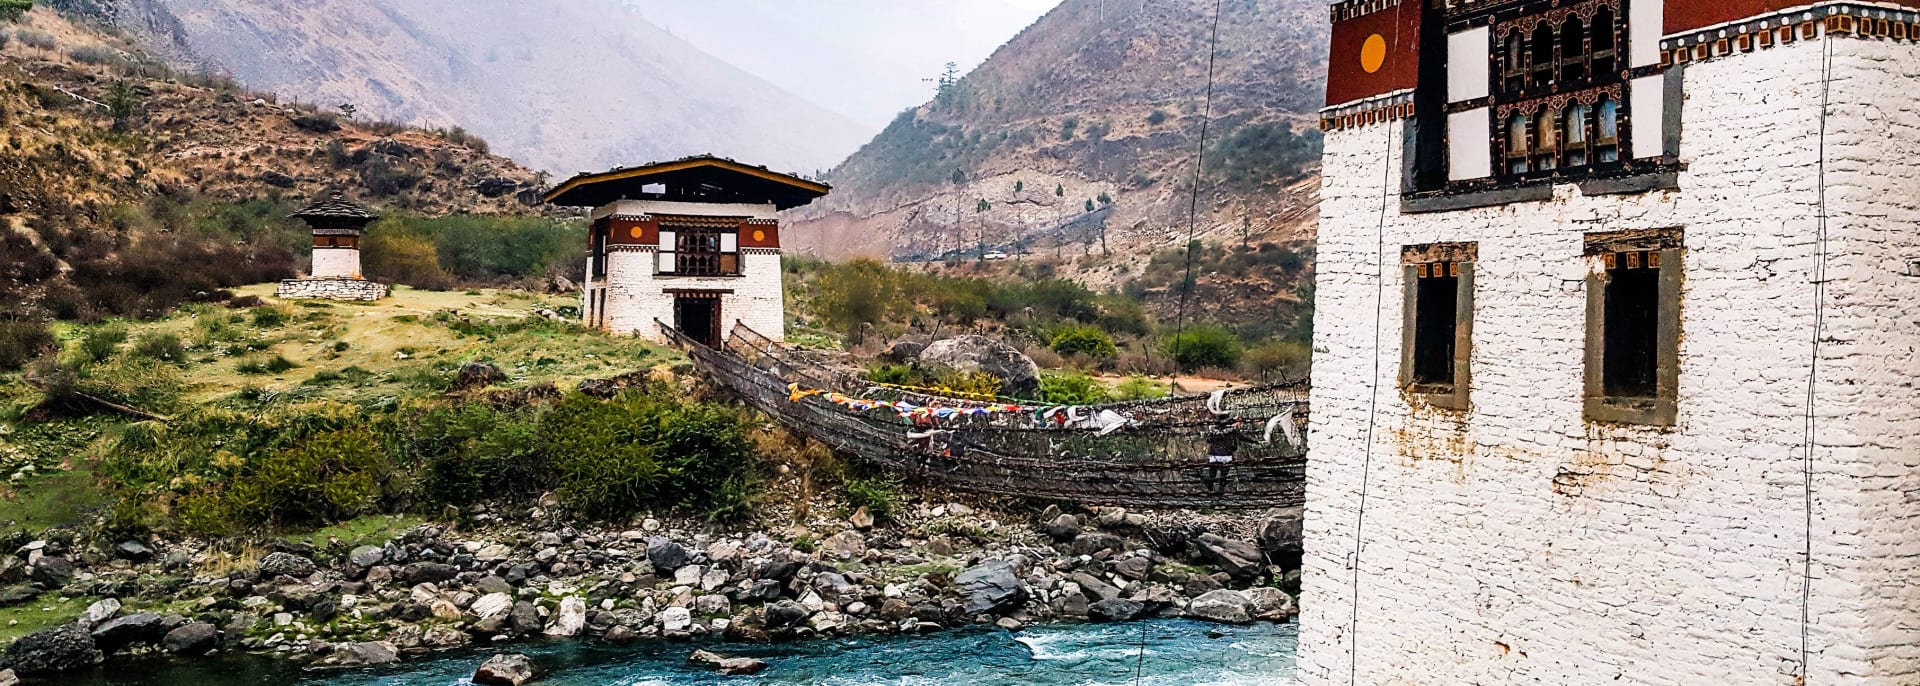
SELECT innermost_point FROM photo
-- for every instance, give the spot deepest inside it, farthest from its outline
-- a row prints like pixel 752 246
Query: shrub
pixel 473 452
pixel 11 10
pixel 880 496
pixel 896 375
pixel 91 54
pixel 648 449
pixel 1071 388
pixel 100 343
pixel 1137 387
pixel 318 122
pixel 404 259
pixel 1271 358
pixel 327 478
pixel 1203 346
pixel 35 39
pixel 1083 340
pixel 21 341
pixel 857 295
pixel 164 347
pixel 1157 117
pixel 265 365
pixel 970 383
pixel 269 317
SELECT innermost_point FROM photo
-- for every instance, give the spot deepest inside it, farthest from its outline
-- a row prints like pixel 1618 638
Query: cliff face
pixel 1098 105
pixel 560 86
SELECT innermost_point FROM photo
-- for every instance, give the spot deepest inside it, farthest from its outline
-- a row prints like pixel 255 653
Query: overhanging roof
pixel 703 178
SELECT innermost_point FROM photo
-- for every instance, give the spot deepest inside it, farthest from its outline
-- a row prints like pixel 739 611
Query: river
pixel 1178 653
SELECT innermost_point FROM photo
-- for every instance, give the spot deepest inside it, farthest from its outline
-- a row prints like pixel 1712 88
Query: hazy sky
pixel 866 59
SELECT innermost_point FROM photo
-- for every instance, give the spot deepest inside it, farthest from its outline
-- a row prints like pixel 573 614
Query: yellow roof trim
pixel 678 165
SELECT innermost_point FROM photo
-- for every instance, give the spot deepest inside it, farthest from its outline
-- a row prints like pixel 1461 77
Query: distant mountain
pixel 1083 129
pixel 560 86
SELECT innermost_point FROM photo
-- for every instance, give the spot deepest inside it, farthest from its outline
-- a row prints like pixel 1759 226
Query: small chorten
pixel 337 225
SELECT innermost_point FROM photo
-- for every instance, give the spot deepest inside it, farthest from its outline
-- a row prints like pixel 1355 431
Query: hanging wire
pixel 1813 365
pixel 1193 204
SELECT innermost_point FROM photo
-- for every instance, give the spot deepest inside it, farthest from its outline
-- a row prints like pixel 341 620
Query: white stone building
pixel 693 244
pixel 337 225
pixel 1631 396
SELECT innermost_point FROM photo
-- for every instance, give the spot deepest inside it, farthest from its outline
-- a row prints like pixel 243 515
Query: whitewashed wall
pixel 1517 543
pixel 336 263
pixel 636 297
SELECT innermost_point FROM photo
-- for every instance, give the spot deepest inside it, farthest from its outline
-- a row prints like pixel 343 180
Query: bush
pixel 858 295
pixel 1073 388
pixel 99 344
pixel 1083 340
pixel 269 317
pixel 1203 346
pixel 328 478
pixel 265 365
pixel 473 452
pixel 970 383
pixel 1138 387
pixel 409 260
pixel 648 449
pixel 35 39
pixel 881 497
pixel 91 54
pixel 11 10
pixel 23 340
pixel 164 347
pixel 1272 358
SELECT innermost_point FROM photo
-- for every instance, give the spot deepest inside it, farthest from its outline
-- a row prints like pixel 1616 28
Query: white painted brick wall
pixel 1676 560
pixel 336 263
pixel 636 297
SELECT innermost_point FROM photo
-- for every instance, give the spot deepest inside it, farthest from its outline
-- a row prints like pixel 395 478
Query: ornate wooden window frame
pixel 1668 247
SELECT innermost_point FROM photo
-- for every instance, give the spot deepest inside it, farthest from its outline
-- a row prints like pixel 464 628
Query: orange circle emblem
pixel 1373 53
pixel 634 232
pixel 759 235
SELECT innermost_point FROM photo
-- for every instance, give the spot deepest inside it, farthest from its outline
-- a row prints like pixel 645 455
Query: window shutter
pixel 1468 150
pixel 1467 64
pixel 666 252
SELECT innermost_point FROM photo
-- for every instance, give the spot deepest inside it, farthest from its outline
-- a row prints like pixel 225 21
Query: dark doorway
pixel 697 315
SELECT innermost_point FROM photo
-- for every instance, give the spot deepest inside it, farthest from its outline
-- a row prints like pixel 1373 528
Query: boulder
pixel 1094 586
pixel 428 572
pixel 286 564
pixel 120 632
pixel 59 649
pixel 991 588
pixel 133 550
pixel 1135 568
pixel 845 545
pixel 1114 610
pixel 666 555
pixel 15 595
pixel 1017 373
pixel 1271 604
pixel 100 611
pixel 1225 606
pixel 477 375
pixel 506 670
pixel 729 666
pixel 570 618
pixel 371 653
pixel 904 351
pixel 366 557
pixel 676 619
pixel 196 638
pixel 52 572
pixel 1094 544
pixel 1281 531
pixel 491 604
pixel 861 519
pixel 1239 558
pixel 1063 528
pixel 786 613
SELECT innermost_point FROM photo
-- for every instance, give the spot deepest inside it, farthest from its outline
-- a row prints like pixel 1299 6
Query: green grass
pixel 368 530
pixel 51 499
pixel 44 612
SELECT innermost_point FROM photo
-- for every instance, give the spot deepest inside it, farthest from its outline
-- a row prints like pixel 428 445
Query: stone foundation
pixel 330 289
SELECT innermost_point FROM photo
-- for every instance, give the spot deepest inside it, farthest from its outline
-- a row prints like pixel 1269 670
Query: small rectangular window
pixel 1633 326
pixel 1436 338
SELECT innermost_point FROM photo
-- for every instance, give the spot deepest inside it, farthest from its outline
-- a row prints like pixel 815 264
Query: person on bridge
pixel 1223 441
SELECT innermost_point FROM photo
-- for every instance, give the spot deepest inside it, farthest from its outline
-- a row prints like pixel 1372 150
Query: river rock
pixel 729 666
pixel 100 611
pixel 845 545
pixel 52 572
pixel 1281 531
pixel 1114 610
pixel 570 618
pixel 506 670
pixel 366 557
pixel 1018 375
pixel 1094 585
pixel 1135 568
pixel 861 518
pixel 491 604
pixel 991 588
pixel 61 648
pixel 371 653
pixel 666 555
pixel 786 613
pixel 1096 543
pixel 1239 558
pixel 676 619
pixel 196 638
pixel 1225 606
pixel 120 632
pixel 428 572
pixel 286 564
pixel 1270 603
pixel 1063 528
pixel 133 550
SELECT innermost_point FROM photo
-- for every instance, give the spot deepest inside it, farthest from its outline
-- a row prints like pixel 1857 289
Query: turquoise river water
pixel 1178 653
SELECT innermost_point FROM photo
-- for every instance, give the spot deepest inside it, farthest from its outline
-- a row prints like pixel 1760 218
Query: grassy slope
pixel 403 343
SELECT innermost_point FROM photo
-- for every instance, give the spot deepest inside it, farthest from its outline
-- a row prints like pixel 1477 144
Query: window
pixel 1436 336
pixel 699 251
pixel 1558 74
pixel 1633 326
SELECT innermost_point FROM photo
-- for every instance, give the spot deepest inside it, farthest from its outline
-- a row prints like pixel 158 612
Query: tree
pixel 347 110
pixel 858 295
pixel 123 102
pixel 1060 190
pixel 959 176
pixel 982 206
pixel 11 10
pixel 1019 185
pixel 1089 205
pixel 1105 199
pixel 948 92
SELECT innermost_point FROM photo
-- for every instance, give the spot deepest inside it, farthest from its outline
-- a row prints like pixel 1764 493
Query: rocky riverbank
pixel 504 576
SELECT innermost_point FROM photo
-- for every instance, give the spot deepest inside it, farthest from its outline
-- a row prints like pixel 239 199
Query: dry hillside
pixel 1098 99
pixel 560 86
